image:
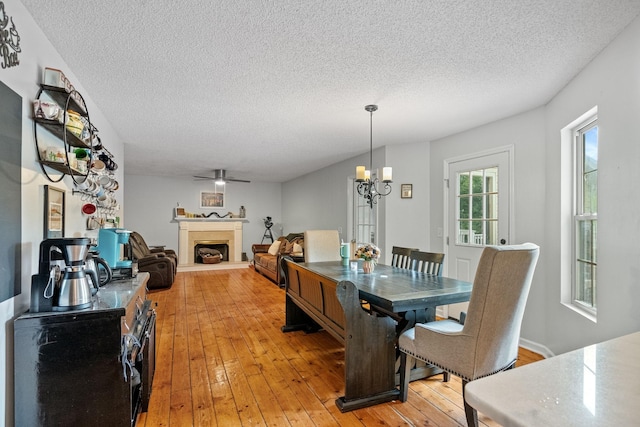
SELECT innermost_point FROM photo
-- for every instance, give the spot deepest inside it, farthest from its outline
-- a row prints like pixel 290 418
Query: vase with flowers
pixel 370 254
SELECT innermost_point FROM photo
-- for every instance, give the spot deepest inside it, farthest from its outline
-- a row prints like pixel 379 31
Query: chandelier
pixel 367 186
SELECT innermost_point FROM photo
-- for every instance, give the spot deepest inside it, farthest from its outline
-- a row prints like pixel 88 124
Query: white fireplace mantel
pixel 191 230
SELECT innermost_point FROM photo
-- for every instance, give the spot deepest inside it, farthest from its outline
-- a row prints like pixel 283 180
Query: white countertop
pixel 598 385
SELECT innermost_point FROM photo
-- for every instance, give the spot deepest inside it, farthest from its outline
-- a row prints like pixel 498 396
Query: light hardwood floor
pixel 223 361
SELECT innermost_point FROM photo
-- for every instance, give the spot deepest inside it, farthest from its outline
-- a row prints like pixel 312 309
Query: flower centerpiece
pixel 370 254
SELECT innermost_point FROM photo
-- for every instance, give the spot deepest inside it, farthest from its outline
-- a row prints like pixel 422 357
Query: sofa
pixel 267 257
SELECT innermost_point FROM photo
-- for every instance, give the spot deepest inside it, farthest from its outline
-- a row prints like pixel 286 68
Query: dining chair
pixel 426 262
pixel 321 245
pixel 400 256
pixel 487 343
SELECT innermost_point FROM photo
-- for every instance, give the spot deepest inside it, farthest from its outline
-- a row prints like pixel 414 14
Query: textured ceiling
pixel 271 90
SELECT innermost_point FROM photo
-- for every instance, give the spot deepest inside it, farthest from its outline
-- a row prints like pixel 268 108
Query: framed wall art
pixel 406 191
pixel 11 190
pixel 211 199
pixel 53 212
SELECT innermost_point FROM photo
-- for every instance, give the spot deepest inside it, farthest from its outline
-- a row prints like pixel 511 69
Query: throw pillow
pixel 297 249
pixel 286 247
pixel 273 249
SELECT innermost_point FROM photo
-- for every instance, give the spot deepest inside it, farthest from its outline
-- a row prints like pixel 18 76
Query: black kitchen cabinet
pixel 89 367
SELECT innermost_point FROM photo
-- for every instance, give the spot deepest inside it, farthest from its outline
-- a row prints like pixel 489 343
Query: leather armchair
pixel 160 264
pixel 139 245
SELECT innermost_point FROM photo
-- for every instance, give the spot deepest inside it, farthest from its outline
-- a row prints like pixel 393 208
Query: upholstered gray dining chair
pixel 487 343
pixel 427 262
pixel 400 256
pixel 321 245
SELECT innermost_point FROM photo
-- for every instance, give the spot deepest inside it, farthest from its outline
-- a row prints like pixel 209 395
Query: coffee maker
pixel 114 248
pixel 62 282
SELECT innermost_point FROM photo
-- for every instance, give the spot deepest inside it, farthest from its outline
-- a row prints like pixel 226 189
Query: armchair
pixel 138 244
pixel 487 343
pixel 161 265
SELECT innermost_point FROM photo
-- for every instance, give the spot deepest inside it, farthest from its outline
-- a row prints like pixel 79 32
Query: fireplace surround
pixel 223 231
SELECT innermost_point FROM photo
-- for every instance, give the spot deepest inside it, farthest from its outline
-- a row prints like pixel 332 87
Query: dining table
pixel 406 296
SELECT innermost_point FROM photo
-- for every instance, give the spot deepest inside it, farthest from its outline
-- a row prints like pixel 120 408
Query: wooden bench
pixel 313 302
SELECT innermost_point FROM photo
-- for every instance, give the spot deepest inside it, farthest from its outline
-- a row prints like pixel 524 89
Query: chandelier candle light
pixel 367 187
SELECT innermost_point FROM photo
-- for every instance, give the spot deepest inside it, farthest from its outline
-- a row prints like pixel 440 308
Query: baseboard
pixel 536 348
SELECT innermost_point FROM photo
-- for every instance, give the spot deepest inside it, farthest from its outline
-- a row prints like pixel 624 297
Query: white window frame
pixel 580 215
pixel 571 195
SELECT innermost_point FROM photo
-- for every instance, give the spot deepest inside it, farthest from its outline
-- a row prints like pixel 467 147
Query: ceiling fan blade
pixel 237 180
pixel 203 177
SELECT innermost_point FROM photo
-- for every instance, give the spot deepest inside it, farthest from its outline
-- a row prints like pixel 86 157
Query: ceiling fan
pixel 220 177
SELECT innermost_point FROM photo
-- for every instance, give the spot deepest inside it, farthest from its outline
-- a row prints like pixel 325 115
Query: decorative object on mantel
pixel 216 214
pixel 367 186
pixel 182 213
pixel 370 254
pixel 179 212
pixel 9 41
pixel 406 191
pixel 243 212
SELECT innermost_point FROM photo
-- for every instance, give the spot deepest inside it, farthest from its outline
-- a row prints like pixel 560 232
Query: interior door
pixel 363 220
pixel 478 212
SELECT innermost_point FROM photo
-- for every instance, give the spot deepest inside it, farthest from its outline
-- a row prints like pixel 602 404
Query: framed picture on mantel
pixel 211 199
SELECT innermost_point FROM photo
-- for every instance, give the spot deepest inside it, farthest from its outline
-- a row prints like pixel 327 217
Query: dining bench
pixel 315 302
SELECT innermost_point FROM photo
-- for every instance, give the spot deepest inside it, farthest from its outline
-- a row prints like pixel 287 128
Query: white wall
pixel 612 82
pixel 318 200
pixel 150 203
pixel 526 133
pixel 407 220
pixel 37 53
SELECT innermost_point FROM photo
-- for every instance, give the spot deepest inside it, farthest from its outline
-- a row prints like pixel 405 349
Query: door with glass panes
pixel 478 212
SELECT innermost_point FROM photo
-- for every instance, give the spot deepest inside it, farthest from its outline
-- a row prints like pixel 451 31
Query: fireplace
pixel 219 231
pixel 221 247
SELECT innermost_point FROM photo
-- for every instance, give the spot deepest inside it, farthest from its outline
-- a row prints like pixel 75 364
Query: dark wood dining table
pixel 407 296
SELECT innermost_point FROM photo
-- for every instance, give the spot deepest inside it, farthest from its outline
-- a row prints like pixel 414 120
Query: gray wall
pixel 612 82
pixel 150 202
pixel 542 193
pixel 318 200
pixel 36 54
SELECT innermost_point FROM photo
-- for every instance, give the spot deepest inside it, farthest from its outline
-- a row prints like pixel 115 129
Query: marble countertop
pixel 594 386
pixel 116 294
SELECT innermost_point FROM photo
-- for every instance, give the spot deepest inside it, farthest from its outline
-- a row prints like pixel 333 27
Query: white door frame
pixel 509 149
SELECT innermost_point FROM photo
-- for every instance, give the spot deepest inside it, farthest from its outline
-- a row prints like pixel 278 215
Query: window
pixel 477 210
pixel 586 216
